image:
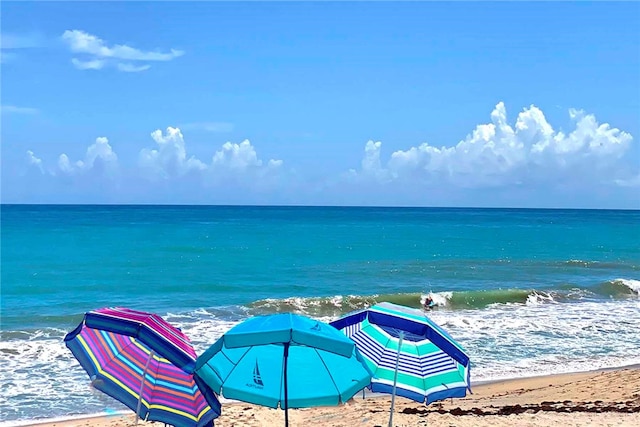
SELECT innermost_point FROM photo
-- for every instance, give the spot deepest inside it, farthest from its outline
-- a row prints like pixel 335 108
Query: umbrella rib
pixel 235 365
pixel 153 384
pixel 385 347
pixel 423 376
pixel 158 365
pixel 329 372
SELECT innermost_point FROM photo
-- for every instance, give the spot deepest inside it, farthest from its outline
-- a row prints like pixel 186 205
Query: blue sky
pixel 426 104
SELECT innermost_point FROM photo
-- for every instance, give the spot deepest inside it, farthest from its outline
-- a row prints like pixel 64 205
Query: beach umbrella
pixel 284 360
pixel 144 362
pixel 408 353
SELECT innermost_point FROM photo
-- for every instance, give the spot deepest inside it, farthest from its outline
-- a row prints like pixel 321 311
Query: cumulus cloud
pixel 239 165
pixel 100 150
pixel 237 156
pixel 237 162
pixel 32 160
pixel 99 159
pixel 274 164
pixel 169 159
pixel 99 53
pixel 371 160
pixel 64 165
pixel 497 153
pixel 502 162
pixel 99 155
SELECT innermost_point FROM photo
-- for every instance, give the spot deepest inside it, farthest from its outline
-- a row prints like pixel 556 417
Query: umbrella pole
pixel 144 374
pixel 286 391
pixel 395 380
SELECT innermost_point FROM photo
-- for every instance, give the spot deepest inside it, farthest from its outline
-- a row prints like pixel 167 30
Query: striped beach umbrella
pixel 408 353
pixel 145 363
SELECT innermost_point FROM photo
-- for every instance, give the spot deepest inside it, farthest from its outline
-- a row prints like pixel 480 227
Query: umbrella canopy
pixel 406 349
pixel 284 359
pixel 140 359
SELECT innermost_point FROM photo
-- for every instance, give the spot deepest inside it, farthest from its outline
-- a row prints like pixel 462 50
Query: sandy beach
pixel 600 398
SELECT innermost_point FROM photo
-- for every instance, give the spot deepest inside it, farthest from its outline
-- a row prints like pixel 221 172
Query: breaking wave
pixel 464 300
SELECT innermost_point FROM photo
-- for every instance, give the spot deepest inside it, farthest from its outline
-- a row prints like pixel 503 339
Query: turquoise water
pixel 527 292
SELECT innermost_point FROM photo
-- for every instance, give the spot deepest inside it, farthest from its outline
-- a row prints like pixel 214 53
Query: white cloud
pixel 64 165
pixel 274 164
pixel 371 160
pixel 98 152
pixel 237 162
pixel 239 165
pixel 500 162
pixel 170 161
pixel 100 53
pixel 32 160
pixel 94 64
pixel 497 154
pixel 237 156
pixel 13 109
pixel 170 158
pixel 130 68
pixel 99 159
pixel 82 42
pixel 371 166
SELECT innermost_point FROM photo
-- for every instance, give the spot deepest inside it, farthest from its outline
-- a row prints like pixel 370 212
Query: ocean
pixel 526 292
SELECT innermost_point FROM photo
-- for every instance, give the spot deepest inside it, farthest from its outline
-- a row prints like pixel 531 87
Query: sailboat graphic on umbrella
pixel 256 375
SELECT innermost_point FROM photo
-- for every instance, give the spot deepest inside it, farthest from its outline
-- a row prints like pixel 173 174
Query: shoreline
pixel 632 366
pixel 610 395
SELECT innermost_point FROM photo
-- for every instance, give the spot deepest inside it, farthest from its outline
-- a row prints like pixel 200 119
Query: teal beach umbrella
pixel 284 360
pixel 408 353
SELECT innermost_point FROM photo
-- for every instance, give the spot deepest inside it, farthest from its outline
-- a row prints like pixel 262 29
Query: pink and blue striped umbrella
pixel 144 362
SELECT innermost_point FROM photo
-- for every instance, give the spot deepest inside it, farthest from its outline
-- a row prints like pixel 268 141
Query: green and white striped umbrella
pixel 408 353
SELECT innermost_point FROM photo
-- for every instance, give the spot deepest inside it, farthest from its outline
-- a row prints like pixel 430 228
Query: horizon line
pixel 314 206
